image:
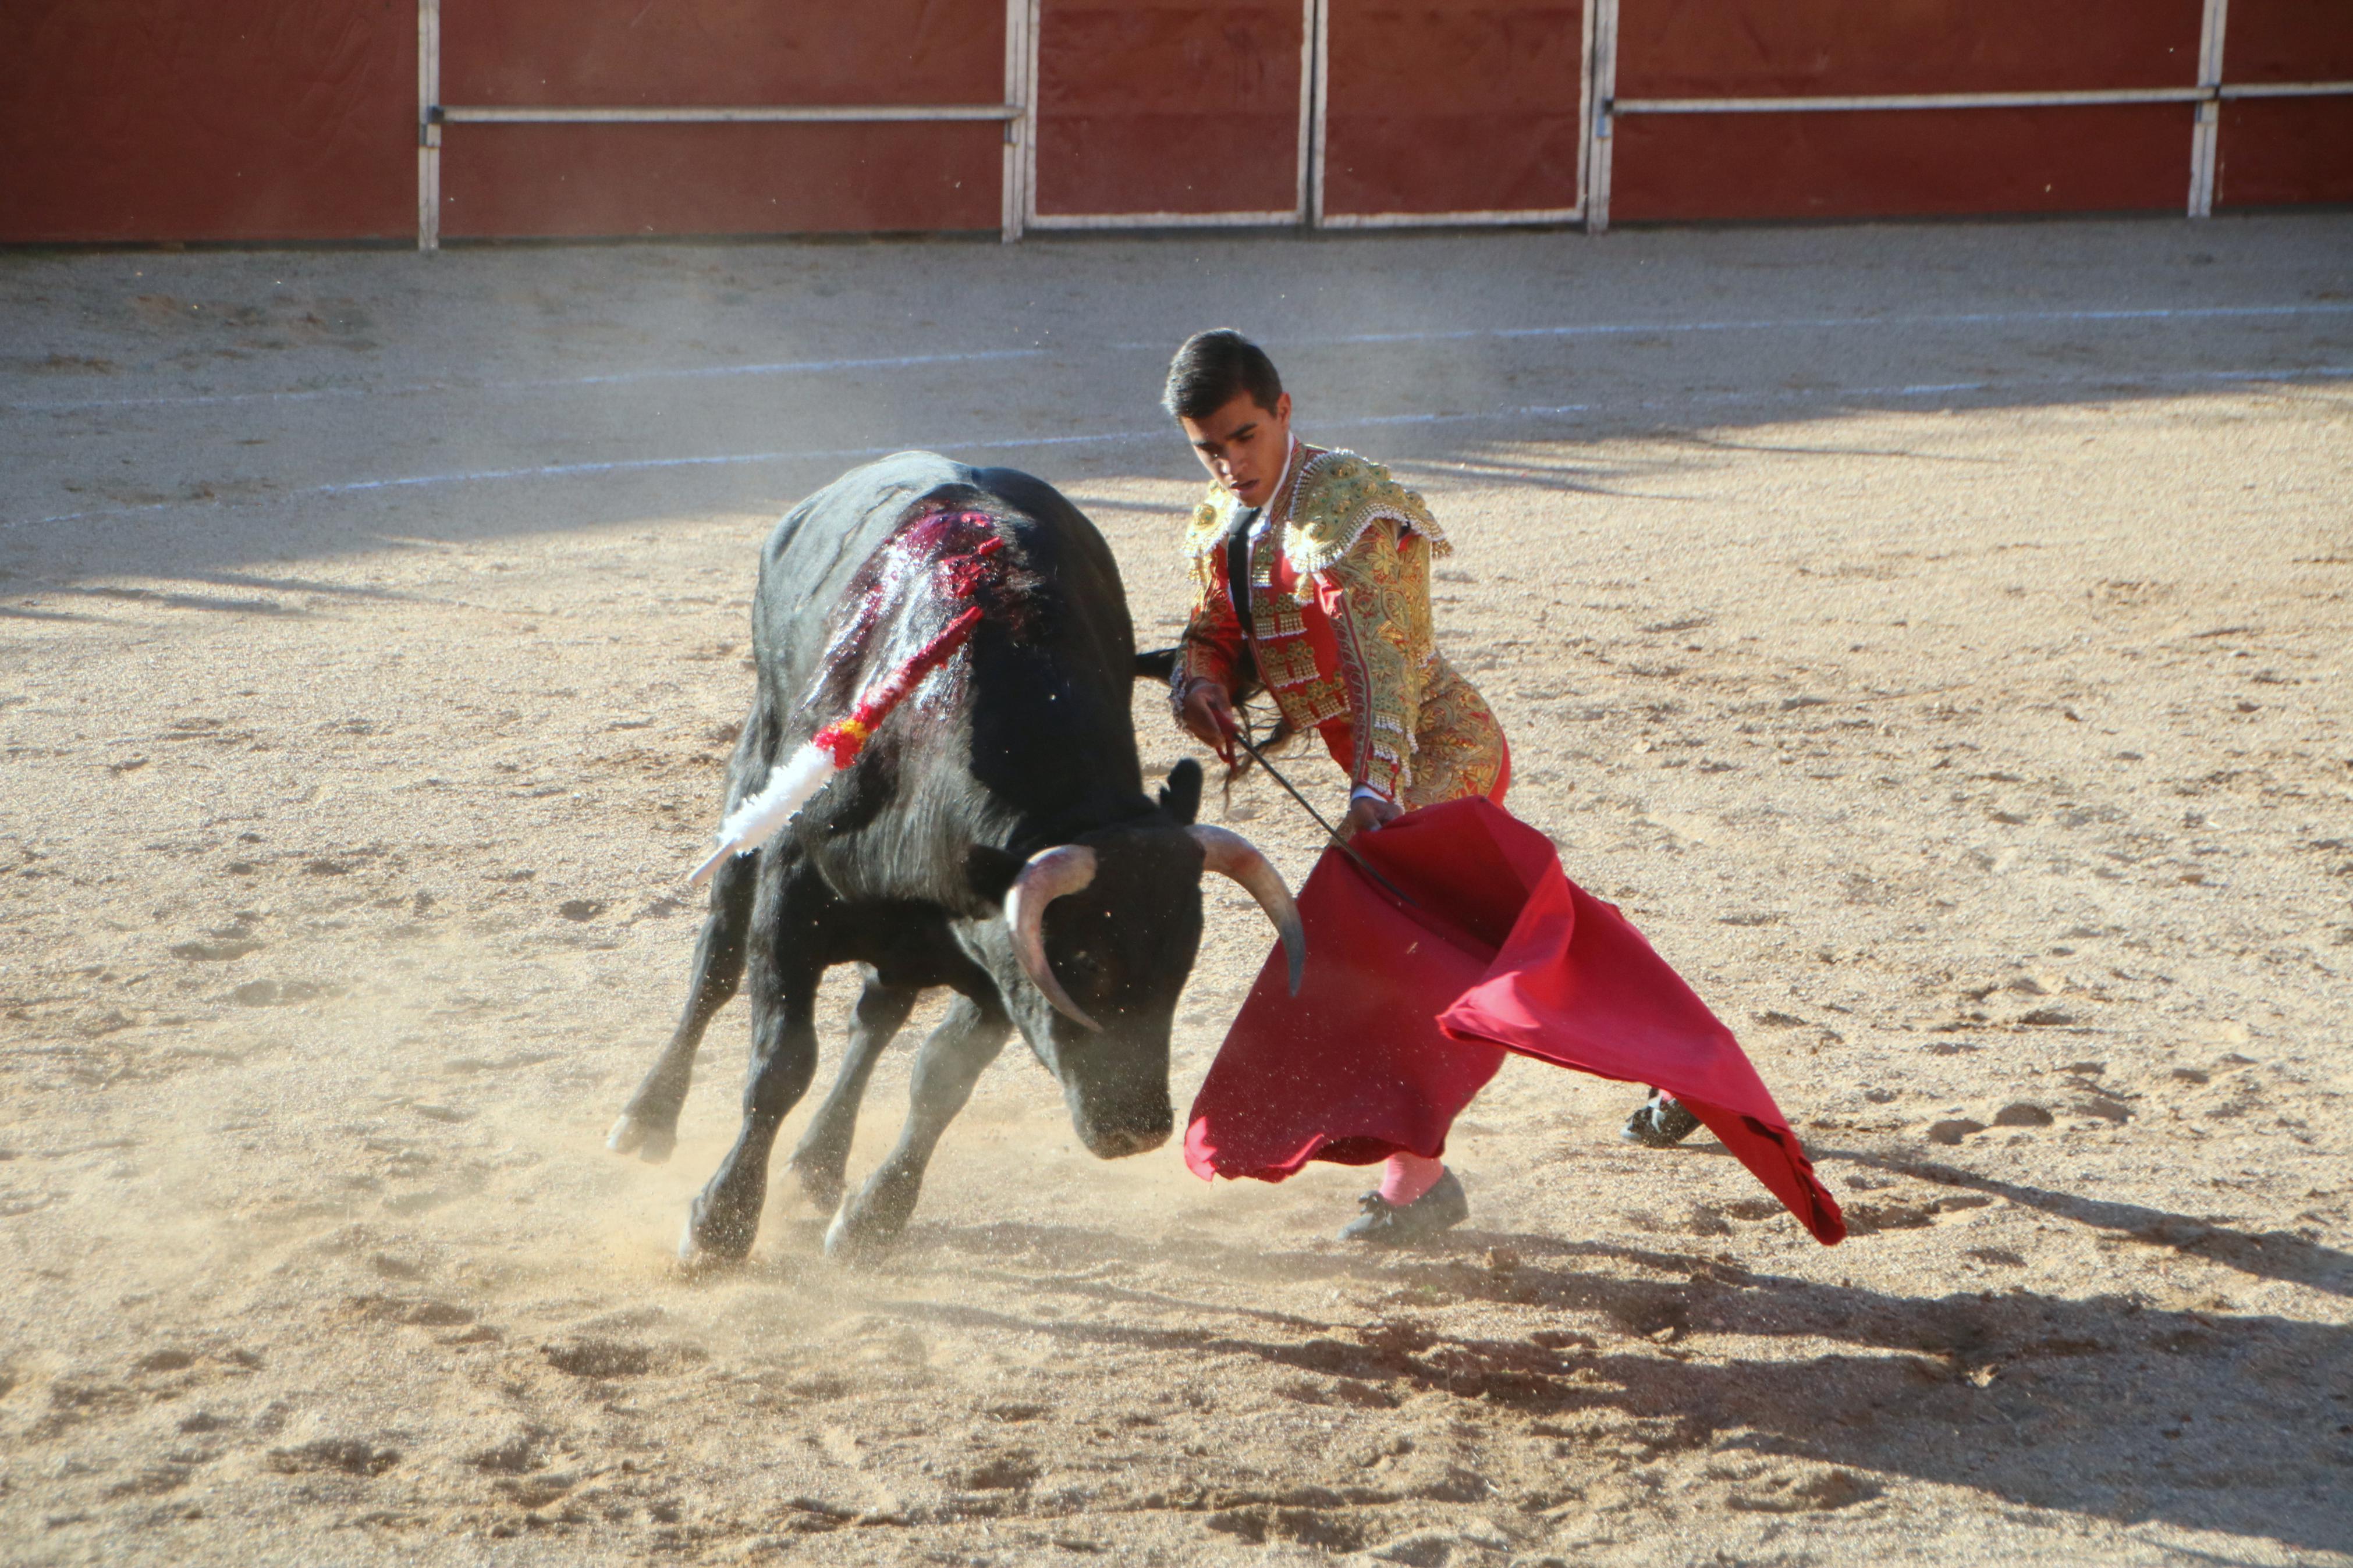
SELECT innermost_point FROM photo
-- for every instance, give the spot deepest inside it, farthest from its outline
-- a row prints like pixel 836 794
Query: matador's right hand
pixel 1207 713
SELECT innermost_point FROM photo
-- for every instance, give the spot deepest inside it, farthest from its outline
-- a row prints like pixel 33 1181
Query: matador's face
pixel 1244 446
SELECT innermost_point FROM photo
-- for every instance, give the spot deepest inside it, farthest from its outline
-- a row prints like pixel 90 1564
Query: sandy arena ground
pixel 1936 637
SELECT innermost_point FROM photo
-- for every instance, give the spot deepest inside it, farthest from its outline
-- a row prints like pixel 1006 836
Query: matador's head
pixel 1224 392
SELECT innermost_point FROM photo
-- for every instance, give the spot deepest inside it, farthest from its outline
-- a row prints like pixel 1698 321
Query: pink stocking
pixel 1407 1176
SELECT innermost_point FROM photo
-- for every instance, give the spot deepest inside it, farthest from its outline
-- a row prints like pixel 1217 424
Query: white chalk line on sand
pixel 1578 330
pixel 1533 410
pixel 612 465
pixel 1809 324
pixel 615 378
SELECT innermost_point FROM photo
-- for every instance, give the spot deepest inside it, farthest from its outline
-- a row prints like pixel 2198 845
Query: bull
pixel 993 837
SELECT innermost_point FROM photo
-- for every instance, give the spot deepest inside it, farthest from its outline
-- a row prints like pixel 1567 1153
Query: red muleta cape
pixel 1407 1011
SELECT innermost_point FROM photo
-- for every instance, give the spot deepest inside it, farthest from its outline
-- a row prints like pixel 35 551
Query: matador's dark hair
pixel 1211 368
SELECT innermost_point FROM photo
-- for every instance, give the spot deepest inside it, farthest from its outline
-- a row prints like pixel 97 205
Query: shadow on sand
pixel 2104 1406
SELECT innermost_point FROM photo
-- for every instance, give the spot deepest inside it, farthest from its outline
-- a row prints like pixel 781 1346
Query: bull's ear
pixel 988 871
pixel 1180 797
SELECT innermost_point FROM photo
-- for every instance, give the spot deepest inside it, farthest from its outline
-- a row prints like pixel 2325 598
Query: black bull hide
pixel 902 865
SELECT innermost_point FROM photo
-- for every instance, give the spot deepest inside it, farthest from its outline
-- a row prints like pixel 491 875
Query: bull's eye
pixel 1083 969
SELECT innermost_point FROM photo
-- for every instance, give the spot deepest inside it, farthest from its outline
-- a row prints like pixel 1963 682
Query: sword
pixel 1343 845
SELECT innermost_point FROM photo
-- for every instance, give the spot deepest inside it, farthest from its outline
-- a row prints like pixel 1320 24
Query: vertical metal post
pixel 1032 13
pixel 1584 108
pixel 1315 68
pixel 428 125
pixel 1015 205
pixel 1603 103
pixel 2206 135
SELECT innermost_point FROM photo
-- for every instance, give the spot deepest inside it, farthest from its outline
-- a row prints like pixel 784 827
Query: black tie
pixel 1238 567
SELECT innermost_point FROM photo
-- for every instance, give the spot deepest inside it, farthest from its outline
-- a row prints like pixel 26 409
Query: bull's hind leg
pixel 948 1065
pixel 785 969
pixel 823 1152
pixel 648 1124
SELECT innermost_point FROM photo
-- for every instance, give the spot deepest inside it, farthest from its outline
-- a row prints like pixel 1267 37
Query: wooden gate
pixel 1452 112
pixel 1339 113
pixel 1169 112
pixel 708 117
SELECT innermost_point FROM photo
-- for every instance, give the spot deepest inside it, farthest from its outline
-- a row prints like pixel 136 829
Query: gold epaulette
pixel 1208 524
pixel 1341 495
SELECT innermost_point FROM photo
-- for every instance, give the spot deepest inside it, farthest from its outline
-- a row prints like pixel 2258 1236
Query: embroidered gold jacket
pixel 1340 627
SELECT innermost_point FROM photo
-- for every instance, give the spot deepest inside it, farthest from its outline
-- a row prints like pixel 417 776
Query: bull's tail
pixel 789 788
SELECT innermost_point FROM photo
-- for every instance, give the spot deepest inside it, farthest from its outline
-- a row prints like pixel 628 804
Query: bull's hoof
pixel 821 1184
pixel 720 1226
pixel 856 1241
pixel 631 1135
pixel 697 1259
pixel 704 1247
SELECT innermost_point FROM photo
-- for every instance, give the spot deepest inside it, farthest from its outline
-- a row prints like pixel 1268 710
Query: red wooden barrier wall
pixel 233 119
pixel 2280 150
pixel 1856 163
pixel 261 120
pixel 578 180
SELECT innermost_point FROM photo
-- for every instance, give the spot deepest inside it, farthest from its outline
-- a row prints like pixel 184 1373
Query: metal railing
pixel 432 114
pixel 1800 105
pixel 2206 95
pixel 719 114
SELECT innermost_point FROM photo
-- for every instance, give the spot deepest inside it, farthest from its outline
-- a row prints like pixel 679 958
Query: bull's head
pixel 1106 929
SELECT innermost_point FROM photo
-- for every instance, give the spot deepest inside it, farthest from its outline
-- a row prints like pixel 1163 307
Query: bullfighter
pixel 1333 624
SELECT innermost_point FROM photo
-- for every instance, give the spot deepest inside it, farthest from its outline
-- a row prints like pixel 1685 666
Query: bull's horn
pixel 1228 854
pixel 1050 874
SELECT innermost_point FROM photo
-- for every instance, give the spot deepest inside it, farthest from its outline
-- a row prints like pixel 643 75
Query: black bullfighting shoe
pixel 1659 1123
pixel 1441 1208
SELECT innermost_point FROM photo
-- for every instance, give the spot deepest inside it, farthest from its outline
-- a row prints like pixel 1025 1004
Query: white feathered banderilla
pixel 830 751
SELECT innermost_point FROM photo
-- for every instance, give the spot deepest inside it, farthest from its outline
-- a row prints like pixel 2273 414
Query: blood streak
pixel 965 575
pixel 956 578
pixel 937 551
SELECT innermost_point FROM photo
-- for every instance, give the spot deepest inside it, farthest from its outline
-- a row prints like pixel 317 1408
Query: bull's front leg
pixel 648 1124
pixel 949 1064
pixel 823 1152
pixel 784 974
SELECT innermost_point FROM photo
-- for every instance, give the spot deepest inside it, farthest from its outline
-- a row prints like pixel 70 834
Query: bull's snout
pixel 1115 1129
pixel 1119 1142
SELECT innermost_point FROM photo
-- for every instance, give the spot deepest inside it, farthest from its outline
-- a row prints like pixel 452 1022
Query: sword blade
pixel 1341 844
